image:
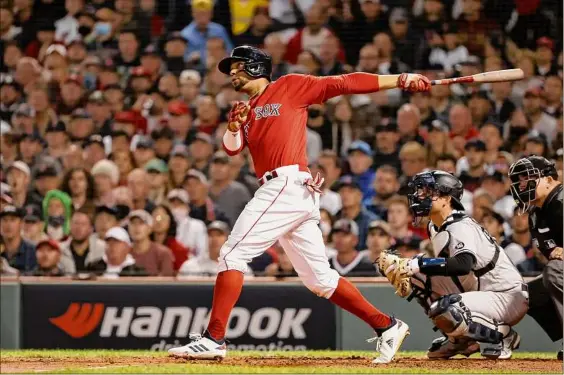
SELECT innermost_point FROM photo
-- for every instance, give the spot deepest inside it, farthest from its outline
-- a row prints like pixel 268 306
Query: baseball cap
pixel 46 170
pixel 360 146
pixel 202 4
pixel 194 173
pixel 119 234
pixel 220 226
pixel 345 225
pixel 438 125
pixel 411 242
pixel 92 60
pixel 141 214
pixel 10 210
pixel 50 242
pixel 347 181
pixel 5 128
pixel 494 176
pixel 476 144
pixel 94 139
pixel 151 50
pixel 536 137
pixel 545 42
pixel 180 150
pixel 495 215
pixel 128 117
pixel 387 125
pixel 80 113
pixel 21 166
pixel 165 132
pixel 56 48
pixel 6 193
pixel 380 224
pixel 144 143
pixel 176 35
pixel 107 209
pixel 178 108
pixel 97 97
pixel 220 157
pixel 190 75
pixel 25 110
pixel 59 126
pixel 399 15
pixel 139 71
pixel 204 137
pixel 8 80
pixel 32 213
pixel 180 194
pixel 156 165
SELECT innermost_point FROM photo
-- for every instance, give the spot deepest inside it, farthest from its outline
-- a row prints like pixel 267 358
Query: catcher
pixel 470 289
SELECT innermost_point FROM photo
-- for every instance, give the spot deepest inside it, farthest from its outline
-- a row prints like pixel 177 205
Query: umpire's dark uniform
pixel 545 292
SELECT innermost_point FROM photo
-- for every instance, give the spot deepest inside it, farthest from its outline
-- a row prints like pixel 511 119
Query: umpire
pixel 535 188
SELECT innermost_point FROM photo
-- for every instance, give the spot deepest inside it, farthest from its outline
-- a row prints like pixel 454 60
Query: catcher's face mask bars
pixel 524 180
pixel 421 199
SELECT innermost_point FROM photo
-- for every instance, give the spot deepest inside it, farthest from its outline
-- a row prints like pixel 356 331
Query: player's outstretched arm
pixel 233 141
pixel 307 90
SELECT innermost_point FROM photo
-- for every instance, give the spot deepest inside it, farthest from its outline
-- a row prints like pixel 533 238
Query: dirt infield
pixel 307 364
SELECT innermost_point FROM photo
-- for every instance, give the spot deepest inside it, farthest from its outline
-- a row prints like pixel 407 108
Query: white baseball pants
pixel 283 210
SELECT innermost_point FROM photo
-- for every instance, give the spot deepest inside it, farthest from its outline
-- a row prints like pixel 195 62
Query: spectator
pixel 178 166
pixel 497 184
pixel 155 258
pixel 476 158
pixel 117 260
pixel 275 46
pixel 388 63
pixel 348 261
pixel 190 81
pixel 552 91
pixel 460 120
pixel 282 267
pixel 519 248
pixel 387 145
pixel 179 203
pixel 503 107
pixel 57 139
pixel 408 247
pixel 536 144
pixel 158 178
pixel 446 51
pixel 360 162
pixel 329 57
pixel 208 114
pixel 230 196
pixel 175 49
pixel 482 201
pixel 48 254
pixel 164 233
pixel 180 122
pixel 440 101
pixel 493 222
pixel 404 40
pixel 379 239
pixel 79 185
pixel 472 24
pixel 57 210
pixel 330 162
pixel 399 218
pixel 480 107
pixel 386 185
pixel 82 248
pixel 201 29
pixel 351 198
pixel 163 139
pixel 409 122
pixel 368 59
pixel 67 27
pixel 22 118
pixel 238 171
pixel 143 152
pixel 201 150
pixel 106 217
pixel 539 120
pixel 94 151
pixel 31 148
pixel 329 200
pixel 19 253
pixel 491 135
pixel 438 142
pixel 205 264
pixel 544 56
pixel 33 225
pixel 47 177
pixel 134 19
pixel 106 178
pixel 139 183
pixel 422 100
pixel 19 178
pixel 259 28
pixel 413 158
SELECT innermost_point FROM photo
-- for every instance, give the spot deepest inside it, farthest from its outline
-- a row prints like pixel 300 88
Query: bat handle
pixel 450 81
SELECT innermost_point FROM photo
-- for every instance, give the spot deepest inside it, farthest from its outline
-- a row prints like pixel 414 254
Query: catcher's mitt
pixel 393 267
pixel 556 254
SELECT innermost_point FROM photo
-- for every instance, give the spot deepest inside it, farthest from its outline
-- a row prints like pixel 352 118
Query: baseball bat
pixel 494 76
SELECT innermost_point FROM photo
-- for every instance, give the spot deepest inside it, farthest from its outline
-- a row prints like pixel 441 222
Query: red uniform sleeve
pixel 305 90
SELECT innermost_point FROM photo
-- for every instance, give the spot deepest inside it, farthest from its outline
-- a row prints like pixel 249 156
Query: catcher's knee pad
pixel 322 285
pixel 450 315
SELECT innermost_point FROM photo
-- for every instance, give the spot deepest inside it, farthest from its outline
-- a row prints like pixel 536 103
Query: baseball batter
pixel 470 289
pixel 286 206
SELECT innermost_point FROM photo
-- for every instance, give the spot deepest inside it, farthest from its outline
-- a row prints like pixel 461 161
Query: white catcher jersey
pixel 463 234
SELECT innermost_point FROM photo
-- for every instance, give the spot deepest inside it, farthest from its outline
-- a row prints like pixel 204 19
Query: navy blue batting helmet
pixel 257 63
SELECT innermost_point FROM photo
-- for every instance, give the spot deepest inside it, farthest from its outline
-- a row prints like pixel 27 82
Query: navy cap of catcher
pixel 257 63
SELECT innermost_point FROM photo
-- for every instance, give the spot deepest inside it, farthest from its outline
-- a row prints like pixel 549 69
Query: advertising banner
pixel 157 317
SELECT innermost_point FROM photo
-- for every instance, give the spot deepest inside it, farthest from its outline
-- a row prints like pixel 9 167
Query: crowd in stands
pixel 112 115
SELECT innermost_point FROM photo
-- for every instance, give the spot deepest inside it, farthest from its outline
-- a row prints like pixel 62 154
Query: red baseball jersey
pixel 275 131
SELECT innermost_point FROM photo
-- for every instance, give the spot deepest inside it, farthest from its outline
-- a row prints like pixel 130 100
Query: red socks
pixel 348 297
pixel 226 292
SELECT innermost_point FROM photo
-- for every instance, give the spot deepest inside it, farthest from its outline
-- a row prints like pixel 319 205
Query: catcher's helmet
pixel 525 174
pixel 257 63
pixel 433 183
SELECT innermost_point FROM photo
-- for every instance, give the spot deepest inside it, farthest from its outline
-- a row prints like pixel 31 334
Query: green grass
pixel 145 362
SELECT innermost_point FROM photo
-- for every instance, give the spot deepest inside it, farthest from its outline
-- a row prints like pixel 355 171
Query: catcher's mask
pixel 427 187
pixel 525 175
